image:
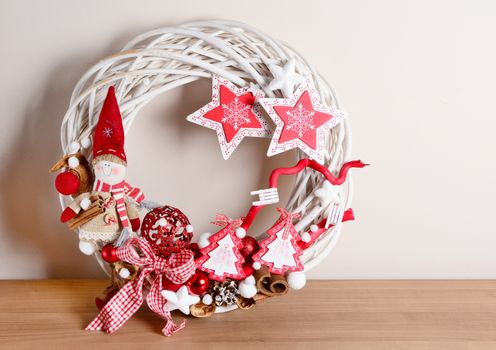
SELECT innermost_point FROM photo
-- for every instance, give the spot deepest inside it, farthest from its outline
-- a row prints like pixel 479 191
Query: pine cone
pixel 225 293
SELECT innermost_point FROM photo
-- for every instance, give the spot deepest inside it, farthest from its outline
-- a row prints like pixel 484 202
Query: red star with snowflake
pixel 301 122
pixel 233 114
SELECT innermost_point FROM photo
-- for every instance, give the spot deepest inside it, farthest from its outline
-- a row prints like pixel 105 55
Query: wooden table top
pixel 51 314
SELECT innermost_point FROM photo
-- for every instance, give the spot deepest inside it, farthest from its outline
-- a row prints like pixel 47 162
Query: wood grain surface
pixel 51 314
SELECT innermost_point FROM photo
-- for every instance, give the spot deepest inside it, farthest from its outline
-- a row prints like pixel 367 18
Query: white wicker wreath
pixel 170 57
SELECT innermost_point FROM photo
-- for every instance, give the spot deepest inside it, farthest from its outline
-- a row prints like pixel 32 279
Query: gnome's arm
pixel 136 195
pixel 80 202
pixel 133 215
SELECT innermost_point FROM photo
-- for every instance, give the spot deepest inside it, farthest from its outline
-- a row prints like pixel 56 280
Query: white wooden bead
pixel 86 142
pixel 305 237
pixel 203 240
pixel 207 299
pixel 73 162
pixel 124 273
pixel 256 265
pixel 250 280
pixel 85 203
pixel 74 147
pixel 296 280
pixel 87 248
pixel 240 232
pixel 247 290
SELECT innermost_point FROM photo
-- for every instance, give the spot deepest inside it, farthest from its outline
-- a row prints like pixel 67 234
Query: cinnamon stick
pixel 96 208
pixel 201 310
pixel 270 284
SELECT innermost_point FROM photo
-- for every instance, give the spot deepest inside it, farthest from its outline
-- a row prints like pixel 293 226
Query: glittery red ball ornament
pixel 199 283
pixel 109 253
pixel 250 246
pixel 165 228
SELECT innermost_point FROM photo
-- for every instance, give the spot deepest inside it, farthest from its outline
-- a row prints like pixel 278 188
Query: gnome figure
pixel 112 205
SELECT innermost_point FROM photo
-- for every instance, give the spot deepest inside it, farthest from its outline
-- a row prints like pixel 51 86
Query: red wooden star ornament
pixel 301 122
pixel 233 114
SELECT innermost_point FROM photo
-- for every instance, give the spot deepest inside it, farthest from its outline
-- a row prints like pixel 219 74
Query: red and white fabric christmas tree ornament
pixel 109 134
pixel 222 257
pixel 233 114
pixel 280 251
pixel 301 122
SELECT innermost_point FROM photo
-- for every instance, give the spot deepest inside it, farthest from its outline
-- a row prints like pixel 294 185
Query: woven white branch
pixel 166 58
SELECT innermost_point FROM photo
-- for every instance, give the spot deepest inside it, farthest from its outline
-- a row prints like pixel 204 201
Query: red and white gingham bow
pixel 288 217
pixel 225 221
pixel 178 269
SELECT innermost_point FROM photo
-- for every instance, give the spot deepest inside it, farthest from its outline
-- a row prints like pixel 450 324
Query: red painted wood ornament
pixel 280 251
pixel 233 113
pixel 302 121
pixel 222 258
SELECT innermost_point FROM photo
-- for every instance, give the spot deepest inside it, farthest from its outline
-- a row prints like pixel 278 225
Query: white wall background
pixel 417 77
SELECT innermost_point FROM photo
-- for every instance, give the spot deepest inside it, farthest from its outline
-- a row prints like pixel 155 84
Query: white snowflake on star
pixel 300 120
pixel 107 132
pixel 236 113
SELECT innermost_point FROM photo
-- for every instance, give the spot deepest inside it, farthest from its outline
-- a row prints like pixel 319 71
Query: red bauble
pixel 250 246
pixel 109 253
pixel 165 229
pixel 199 283
pixel 67 183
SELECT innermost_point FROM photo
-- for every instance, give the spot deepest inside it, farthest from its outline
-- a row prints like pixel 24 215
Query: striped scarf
pixel 118 192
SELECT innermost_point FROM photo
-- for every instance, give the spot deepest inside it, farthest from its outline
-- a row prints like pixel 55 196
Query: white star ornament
pixel 285 78
pixel 180 300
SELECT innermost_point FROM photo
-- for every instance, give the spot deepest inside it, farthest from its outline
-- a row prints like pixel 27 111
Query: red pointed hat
pixel 109 132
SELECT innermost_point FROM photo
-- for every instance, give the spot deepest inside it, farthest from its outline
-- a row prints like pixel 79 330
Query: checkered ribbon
pixel 288 218
pixel 178 269
pixel 226 221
